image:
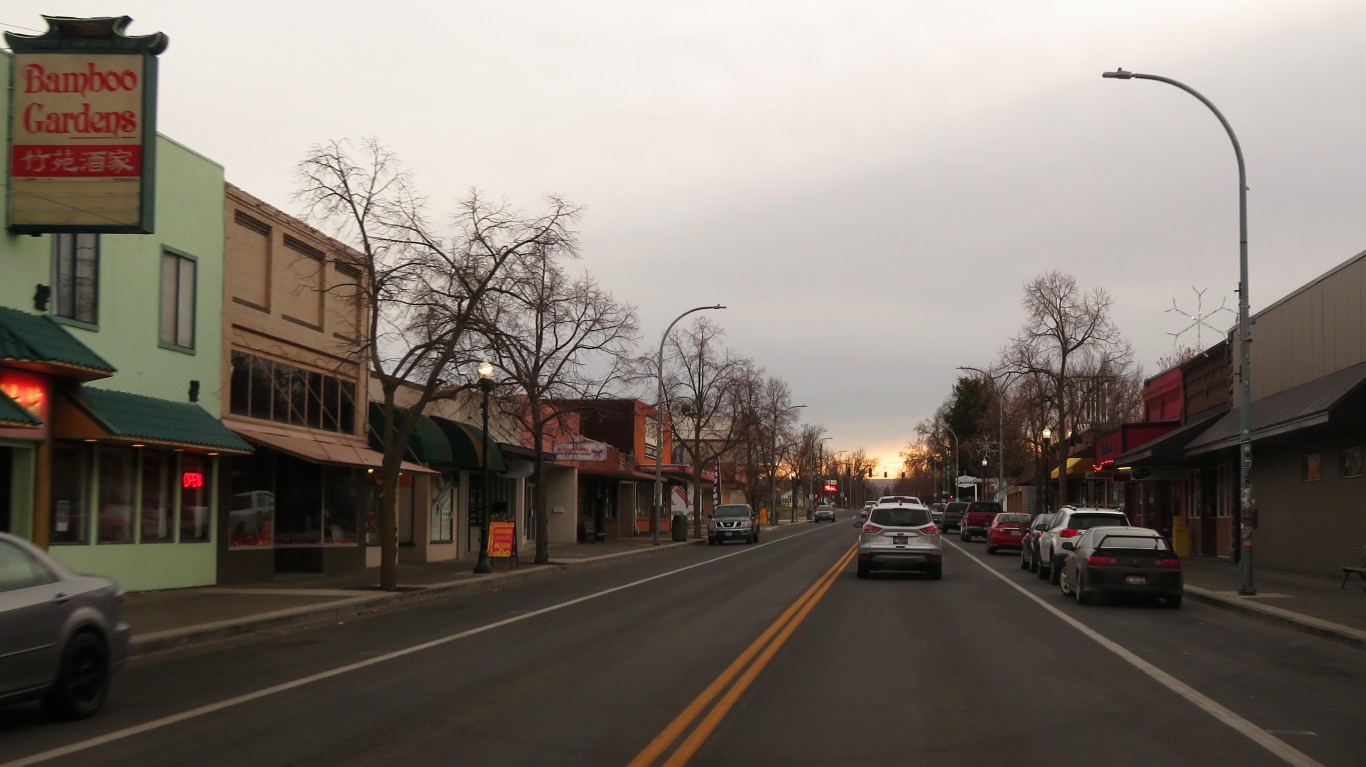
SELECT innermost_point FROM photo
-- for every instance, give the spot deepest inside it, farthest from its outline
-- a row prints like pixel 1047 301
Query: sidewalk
pixel 163 620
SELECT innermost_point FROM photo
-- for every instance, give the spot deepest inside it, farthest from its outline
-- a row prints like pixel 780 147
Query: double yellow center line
pixel 727 686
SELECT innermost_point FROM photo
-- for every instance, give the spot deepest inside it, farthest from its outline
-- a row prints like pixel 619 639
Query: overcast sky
pixel 866 185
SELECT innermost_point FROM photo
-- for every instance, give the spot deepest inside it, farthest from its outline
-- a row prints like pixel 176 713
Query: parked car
pixel 900 537
pixel 732 522
pixel 1029 547
pixel 977 517
pixel 862 516
pixel 824 513
pixel 62 636
pixel 1121 560
pixel 1006 531
pixel 937 513
pixel 953 514
pixel 1068 523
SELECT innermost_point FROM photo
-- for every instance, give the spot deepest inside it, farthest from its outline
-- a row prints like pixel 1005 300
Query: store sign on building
pixel 83 128
pixel 30 392
pixel 585 450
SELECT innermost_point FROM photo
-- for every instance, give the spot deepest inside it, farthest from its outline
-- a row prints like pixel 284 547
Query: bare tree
pixel 1066 331
pixel 559 341
pixel 420 291
pixel 703 399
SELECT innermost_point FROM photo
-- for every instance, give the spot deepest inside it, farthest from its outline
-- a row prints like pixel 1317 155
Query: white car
pixel 1067 524
pixel 900 537
pixel 899 499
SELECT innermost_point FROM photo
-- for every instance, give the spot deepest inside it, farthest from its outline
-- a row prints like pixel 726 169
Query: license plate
pixel 899 540
pixel 1135 580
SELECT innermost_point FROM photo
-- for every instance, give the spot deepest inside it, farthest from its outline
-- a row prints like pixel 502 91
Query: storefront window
pixel 118 477
pixel 341 508
pixel 156 522
pixel 443 509
pixel 70 494
pixel 194 499
pixel 251 516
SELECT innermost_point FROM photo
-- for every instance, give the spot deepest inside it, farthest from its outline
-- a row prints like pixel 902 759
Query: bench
pixel 591 533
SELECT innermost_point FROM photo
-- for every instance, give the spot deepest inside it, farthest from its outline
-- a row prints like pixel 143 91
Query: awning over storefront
pixel 1166 449
pixel 35 342
pixel 614 472
pixel 320 447
pixel 676 471
pixel 428 444
pixel 101 414
pixel 12 416
pixel 1076 467
pixel 1309 404
pixel 468 444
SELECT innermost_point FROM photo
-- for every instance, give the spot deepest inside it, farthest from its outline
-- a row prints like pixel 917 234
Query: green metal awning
pixel 428 445
pixel 468 445
pixel 37 343
pixel 12 415
pixel 131 418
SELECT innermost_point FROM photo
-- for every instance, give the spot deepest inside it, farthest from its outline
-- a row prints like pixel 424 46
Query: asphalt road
pixel 773 654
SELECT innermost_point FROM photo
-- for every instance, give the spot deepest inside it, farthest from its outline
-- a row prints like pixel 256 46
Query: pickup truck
pixel 977 518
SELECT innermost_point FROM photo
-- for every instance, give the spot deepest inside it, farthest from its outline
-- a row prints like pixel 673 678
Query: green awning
pixel 12 415
pixel 36 342
pixel 134 418
pixel 428 444
pixel 468 444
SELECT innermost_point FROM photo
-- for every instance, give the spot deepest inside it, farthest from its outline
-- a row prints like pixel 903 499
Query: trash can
pixel 680 527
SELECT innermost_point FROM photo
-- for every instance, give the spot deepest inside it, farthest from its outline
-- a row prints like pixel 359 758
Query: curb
pixel 1275 616
pixel 204 633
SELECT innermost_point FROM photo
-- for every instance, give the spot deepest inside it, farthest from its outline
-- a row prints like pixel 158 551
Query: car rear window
pixel 1088 521
pixel 977 506
pixel 1013 519
pixel 1132 541
pixel 900 517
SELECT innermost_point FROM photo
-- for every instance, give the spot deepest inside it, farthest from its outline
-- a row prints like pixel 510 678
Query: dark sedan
pixel 61 634
pixel 824 513
pixel 1106 561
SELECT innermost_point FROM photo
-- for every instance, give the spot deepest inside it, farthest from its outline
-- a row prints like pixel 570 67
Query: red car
pixel 1006 531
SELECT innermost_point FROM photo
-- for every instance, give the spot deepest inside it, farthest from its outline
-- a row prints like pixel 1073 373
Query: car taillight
pixel 929 530
pixel 1068 532
pixel 1096 559
pixel 871 528
pixel 1171 562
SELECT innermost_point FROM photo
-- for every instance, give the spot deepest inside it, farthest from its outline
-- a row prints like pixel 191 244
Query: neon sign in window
pixel 192 479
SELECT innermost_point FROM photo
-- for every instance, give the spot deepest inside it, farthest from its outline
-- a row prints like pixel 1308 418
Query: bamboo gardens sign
pixel 83 128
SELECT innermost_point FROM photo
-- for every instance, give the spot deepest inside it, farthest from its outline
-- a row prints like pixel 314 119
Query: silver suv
pixel 1067 524
pixel 900 537
pixel 732 522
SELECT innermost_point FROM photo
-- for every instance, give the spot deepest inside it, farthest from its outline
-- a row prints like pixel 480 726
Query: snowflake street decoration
pixel 1199 320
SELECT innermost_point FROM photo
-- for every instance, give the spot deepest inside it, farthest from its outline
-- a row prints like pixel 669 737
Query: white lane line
pixel 1240 725
pixel 167 721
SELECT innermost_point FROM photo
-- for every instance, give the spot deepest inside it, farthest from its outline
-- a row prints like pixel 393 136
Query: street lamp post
pixel 483 565
pixel 956 472
pixel 659 412
pixel 1000 421
pixel 1047 437
pixel 810 481
pixel 1246 522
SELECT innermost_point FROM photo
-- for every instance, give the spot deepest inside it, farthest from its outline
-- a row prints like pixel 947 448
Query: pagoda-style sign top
pixel 83 128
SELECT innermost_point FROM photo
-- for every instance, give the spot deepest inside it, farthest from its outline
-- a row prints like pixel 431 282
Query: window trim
pixel 194 304
pixel 80 322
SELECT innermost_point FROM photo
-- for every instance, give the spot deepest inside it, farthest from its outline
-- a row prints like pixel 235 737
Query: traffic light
pixel 884 475
pixel 903 475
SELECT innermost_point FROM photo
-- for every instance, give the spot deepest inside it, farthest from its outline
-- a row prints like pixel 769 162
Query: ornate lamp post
pixel 485 386
pixel 659 409
pixel 1043 480
pixel 1245 523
